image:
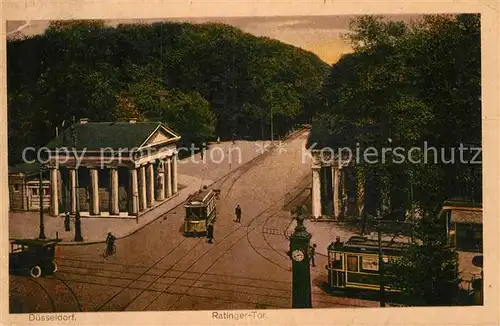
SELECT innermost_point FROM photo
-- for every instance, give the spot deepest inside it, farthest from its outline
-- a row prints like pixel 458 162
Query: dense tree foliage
pixel 411 85
pixel 203 80
pixel 428 272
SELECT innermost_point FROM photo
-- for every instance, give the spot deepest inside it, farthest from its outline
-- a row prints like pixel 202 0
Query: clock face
pixel 297 255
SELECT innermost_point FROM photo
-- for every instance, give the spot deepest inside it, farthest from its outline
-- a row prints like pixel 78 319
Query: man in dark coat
pixel 237 212
pixel 210 232
pixel 312 253
pixel 110 242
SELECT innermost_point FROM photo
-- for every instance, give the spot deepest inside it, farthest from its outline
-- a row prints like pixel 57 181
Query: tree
pixel 406 82
pixel 427 274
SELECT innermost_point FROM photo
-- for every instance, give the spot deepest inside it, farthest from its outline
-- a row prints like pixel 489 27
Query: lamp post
pixel 40 192
pixel 78 230
pixel 381 264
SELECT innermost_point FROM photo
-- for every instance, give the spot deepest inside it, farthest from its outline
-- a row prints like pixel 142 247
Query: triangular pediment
pixel 161 135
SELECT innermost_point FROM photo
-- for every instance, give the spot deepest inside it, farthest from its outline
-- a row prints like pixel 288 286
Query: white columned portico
pixel 168 177
pixel 54 196
pixel 174 174
pixel 114 208
pixel 134 193
pixel 94 186
pixel 72 181
pixel 142 189
pixel 336 190
pixel 316 192
pixel 160 189
pixel 150 181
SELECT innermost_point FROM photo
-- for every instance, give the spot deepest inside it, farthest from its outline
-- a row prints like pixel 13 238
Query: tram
pixel 33 257
pixel 200 211
pixel 355 263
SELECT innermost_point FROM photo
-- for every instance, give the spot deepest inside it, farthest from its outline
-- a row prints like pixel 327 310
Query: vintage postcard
pixel 202 163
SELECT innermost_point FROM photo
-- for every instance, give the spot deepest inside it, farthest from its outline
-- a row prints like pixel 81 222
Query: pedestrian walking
pixel 237 212
pixel 218 140
pixel 202 153
pixel 110 244
pixel 210 232
pixel 67 223
pixel 312 253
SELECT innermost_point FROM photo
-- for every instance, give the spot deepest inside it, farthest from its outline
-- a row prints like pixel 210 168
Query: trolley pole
pixel 381 266
pixel 40 192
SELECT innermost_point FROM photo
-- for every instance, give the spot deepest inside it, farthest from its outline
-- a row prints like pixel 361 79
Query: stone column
pixel 142 189
pixel 114 208
pixel 150 180
pixel 94 188
pixel 72 182
pixel 54 196
pixel 168 175
pixel 174 174
pixel 134 193
pixel 336 191
pixel 316 192
pixel 160 189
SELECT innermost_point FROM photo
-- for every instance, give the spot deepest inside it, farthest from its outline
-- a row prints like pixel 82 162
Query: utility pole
pixel 78 229
pixel 381 266
pixel 272 126
pixel 40 192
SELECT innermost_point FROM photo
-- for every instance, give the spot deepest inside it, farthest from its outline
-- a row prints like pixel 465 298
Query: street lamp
pixel 381 264
pixel 41 236
pixel 78 230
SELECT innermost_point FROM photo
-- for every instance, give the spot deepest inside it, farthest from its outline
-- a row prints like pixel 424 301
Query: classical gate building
pixel 336 191
pixel 117 169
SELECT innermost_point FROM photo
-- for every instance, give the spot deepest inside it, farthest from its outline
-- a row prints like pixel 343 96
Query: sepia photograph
pixel 243 164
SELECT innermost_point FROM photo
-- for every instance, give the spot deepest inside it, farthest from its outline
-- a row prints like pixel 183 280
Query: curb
pixel 208 185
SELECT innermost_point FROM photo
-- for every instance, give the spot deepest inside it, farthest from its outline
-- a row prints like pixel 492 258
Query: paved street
pixel 157 268
pixel 219 160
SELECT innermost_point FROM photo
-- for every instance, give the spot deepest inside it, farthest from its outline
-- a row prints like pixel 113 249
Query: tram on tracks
pixel 200 211
pixel 355 263
pixel 32 257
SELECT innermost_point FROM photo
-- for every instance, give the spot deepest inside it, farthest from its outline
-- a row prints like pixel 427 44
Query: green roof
pixel 26 168
pixel 95 135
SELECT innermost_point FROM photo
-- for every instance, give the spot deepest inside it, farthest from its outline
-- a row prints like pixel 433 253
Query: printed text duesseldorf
pixel 52 317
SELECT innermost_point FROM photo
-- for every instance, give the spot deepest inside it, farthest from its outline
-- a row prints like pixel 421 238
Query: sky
pixel 321 35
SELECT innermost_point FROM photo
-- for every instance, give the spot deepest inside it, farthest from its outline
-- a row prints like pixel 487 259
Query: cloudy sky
pixel 318 34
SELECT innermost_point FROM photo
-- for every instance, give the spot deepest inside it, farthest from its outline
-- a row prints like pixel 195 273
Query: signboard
pixel 369 263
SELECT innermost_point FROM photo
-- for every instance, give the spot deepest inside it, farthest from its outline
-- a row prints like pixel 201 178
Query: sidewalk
pixel 193 174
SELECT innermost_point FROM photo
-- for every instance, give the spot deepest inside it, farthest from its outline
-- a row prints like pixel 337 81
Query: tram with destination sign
pixel 200 211
pixel 355 263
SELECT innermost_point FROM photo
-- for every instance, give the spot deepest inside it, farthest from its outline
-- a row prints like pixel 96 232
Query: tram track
pixel 70 290
pixel 233 179
pixel 265 239
pixel 222 284
pixel 246 169
pixel 148 269
pixel 51 300
pixel 231 246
